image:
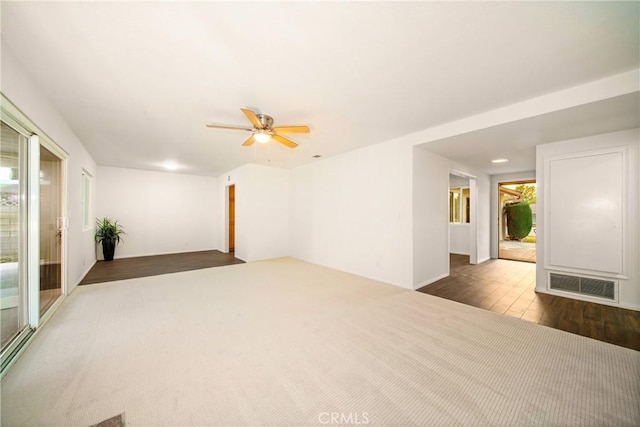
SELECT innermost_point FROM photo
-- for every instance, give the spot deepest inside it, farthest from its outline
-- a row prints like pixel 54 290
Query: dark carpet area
pixel 131 268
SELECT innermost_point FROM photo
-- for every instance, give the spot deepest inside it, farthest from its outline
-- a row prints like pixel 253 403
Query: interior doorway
pixel 232 218
pixel 463 234
pixel 517 220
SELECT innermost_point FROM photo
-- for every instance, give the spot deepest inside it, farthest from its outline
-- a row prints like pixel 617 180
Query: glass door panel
pixel 50 229
pixel 32 198
pixel 13 284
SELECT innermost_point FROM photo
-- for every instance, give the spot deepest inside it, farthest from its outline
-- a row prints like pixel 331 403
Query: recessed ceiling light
pixel 169 165
pixel 499 160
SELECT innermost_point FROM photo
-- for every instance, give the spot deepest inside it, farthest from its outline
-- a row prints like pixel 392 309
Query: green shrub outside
pixel 519 220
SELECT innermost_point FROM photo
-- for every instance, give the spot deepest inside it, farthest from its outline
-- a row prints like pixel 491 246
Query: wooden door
pixel 232 218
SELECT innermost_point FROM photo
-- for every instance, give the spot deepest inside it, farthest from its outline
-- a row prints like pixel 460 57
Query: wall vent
pixel 583 285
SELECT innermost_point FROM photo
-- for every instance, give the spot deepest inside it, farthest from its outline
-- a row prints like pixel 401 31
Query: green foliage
pixel 519 220
pixel 528 192
pixel 107 229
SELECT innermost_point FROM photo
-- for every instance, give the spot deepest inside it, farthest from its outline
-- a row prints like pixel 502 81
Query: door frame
pixel 473 222
pixel 228 218
pixel 63 220
pixel 494 215
pixel 225 226
pixel 36 138
pixel 498 219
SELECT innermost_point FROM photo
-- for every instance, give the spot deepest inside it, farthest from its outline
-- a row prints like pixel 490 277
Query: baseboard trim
pixel 481 260
pixel 430 281
pixel 165 253
pixel 633 307
pixel 82 276
pixel 377 279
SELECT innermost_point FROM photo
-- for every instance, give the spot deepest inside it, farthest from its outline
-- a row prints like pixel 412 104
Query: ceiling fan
pixel 263 130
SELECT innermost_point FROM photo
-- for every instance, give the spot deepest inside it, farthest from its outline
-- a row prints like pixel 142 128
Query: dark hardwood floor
pixel 507 287
pixel 131 268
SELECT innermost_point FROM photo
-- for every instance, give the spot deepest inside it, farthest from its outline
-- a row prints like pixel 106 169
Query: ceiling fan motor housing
pixel 266 121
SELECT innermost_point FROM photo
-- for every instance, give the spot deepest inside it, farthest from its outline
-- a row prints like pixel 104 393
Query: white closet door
pixel 585 208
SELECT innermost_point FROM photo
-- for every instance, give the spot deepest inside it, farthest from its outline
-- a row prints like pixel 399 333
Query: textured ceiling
pixel 137 82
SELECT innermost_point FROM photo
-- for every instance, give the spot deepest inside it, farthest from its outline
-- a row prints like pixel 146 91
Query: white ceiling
pixel 516 141
pixel 137 82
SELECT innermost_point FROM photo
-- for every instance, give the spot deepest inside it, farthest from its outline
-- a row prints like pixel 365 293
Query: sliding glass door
pixel 32 229
pixel 51 228
pixel 13 284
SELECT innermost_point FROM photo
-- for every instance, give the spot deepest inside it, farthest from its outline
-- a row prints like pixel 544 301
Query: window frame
pixel 87 206
pixel 458 212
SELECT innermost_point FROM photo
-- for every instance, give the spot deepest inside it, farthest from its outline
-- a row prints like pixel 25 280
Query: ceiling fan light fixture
pixel 262 137
pixel 262 130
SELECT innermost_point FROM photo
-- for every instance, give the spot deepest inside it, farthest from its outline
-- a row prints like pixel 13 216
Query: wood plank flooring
pixel 507 287
pixel 131 268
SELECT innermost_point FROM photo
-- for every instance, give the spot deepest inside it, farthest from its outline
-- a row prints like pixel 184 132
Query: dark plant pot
pixel 108 249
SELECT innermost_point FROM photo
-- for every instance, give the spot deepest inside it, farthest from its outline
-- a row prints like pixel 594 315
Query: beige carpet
pixel 284 342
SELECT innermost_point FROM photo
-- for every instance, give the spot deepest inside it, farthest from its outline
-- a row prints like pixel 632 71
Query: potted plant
pixel 108 233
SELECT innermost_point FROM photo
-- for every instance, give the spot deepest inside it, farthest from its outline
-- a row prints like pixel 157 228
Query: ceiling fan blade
pixel 229 127
pixel 284 141
pixel 252 118
pixel 249 141
pixel 292 129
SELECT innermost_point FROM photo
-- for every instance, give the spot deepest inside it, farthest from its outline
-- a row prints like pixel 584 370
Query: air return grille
pixel 582 285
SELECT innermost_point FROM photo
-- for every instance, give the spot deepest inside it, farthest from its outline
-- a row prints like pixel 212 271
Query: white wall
pixel 495 215
pixel 371 212
pixel 459 239
pixel 27 96
pixel 483 213
pixel 458 181
pixel 431 243
pixel 629 282
pixel 353 212
pixel 430 217
pixel 262 211
pixel 161 212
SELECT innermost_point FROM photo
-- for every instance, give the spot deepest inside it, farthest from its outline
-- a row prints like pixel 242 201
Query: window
pixel 86 200
pixel 459 205
pixel 454 205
